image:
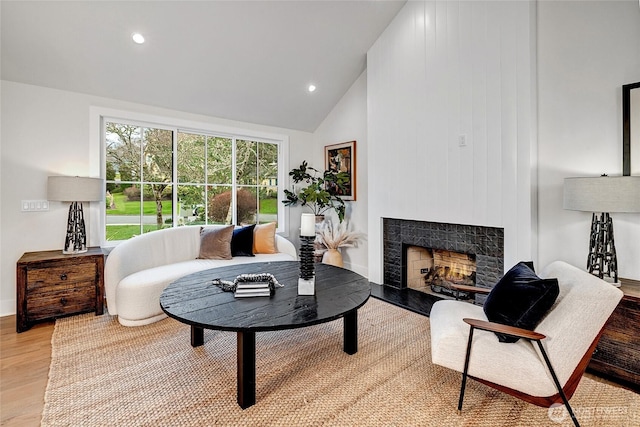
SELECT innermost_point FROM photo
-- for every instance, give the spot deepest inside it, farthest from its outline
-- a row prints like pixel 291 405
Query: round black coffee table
pixel 194 300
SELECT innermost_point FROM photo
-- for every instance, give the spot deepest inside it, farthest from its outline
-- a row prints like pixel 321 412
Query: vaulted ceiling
pixel 250 61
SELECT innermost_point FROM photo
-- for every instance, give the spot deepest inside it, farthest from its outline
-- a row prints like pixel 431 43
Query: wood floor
pixel 24 371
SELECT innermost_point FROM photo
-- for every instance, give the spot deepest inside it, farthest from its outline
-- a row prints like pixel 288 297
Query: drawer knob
pixel 63 276
pixel 63 301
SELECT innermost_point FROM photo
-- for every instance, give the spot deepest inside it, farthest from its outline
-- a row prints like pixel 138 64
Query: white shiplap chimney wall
pixel 442 71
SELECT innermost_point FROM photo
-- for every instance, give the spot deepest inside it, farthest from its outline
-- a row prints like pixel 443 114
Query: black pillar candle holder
pixel 306 257
pixel 306 283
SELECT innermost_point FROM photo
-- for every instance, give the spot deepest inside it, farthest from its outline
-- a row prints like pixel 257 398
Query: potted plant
pixel 334 237
pixel 319 192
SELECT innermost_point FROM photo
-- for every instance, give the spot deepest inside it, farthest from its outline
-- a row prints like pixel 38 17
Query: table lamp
pixel 601 196
pixel 76 190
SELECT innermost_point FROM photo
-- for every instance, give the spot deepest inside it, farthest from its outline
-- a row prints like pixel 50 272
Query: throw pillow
pixel 242 241
pixel 520 299
pixel 215 243
pixel 529 264
pixel 264 239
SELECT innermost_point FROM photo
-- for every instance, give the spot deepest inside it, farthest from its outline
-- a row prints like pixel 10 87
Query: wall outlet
pixel 462 140
pixel 34 205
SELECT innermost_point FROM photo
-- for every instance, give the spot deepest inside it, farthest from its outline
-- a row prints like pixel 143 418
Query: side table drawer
pixel 62 300
pixel 42 280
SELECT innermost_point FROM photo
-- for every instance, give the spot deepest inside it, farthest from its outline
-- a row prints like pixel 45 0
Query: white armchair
pixel 544 367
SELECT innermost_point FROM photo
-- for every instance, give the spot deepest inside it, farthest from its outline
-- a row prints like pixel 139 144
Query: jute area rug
pixel 104 374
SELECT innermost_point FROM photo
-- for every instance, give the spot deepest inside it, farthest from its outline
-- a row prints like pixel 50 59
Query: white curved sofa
pixel 138 270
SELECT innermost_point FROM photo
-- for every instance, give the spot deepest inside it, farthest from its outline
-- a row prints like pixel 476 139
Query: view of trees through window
pixel 158 178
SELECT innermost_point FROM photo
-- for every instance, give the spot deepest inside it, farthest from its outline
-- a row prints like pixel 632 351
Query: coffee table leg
pixel 246 355
pixel 197 336
pixel 351 332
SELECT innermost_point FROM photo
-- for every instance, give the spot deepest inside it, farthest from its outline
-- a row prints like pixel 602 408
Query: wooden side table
pixel 617 355
pixel 51 285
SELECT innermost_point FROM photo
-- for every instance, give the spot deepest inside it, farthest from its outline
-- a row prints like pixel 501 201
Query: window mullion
pixel 257 187
pixel 234 181
pixel 142 180
pixel 174 179
pixel 206 179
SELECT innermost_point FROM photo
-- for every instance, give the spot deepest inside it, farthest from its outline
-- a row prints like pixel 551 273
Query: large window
pixel 160 177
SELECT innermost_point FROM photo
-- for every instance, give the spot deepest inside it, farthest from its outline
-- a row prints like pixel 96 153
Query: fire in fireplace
pixel 437 269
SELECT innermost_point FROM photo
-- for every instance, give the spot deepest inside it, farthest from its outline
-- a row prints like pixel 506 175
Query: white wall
pixel 586 52
pixel 47 132
pixel 439 71
pixel 1 204
pixel 348 122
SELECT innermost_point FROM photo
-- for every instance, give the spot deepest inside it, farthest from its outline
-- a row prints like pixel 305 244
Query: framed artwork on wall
pixel 342 158
pixel 631 129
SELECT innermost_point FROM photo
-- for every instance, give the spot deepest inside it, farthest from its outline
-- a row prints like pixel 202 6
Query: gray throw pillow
pixel 215 243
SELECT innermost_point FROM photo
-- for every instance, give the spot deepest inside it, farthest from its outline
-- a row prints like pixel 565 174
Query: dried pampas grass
pixel 339 236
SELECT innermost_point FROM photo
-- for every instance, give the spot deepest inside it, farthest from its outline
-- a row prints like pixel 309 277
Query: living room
pixel 534 87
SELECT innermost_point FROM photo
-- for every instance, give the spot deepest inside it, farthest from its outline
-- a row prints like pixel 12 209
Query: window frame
pixel 99 118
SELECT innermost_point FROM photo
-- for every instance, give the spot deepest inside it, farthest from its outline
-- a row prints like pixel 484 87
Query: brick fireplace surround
pixel 487 243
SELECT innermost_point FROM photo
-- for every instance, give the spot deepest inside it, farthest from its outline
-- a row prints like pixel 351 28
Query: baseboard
pixel 629 282
pixel 7 307
pixel 357 268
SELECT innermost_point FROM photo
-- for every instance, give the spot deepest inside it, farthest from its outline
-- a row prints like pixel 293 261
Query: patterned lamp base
pixel 76 239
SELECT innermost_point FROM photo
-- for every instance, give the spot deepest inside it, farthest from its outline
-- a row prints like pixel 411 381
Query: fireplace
pixel 437 270
pixel 479 248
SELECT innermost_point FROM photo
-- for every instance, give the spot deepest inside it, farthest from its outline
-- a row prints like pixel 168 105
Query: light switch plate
pixel 34 205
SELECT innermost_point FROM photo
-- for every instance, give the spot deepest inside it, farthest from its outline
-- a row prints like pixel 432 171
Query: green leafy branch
pixel 320 191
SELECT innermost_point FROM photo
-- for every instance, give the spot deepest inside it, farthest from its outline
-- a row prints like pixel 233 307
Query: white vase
pixel 333 257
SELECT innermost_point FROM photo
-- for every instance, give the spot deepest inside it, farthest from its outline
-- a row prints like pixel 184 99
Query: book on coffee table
pixel 252 289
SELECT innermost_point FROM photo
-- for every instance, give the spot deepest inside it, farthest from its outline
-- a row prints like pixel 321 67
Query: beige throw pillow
pixel 215 243
pixel 264 239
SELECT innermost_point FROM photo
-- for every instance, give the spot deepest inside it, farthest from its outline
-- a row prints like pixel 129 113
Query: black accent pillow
pixel 520 299
pixel 529 264
pixel 242 241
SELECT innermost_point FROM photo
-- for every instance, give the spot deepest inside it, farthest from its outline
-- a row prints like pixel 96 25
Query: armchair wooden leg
pixel 557 383
pixel 466 369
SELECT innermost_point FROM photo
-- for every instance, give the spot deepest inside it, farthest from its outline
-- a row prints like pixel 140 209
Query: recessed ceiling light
pixel 138 38
pixel 311 88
